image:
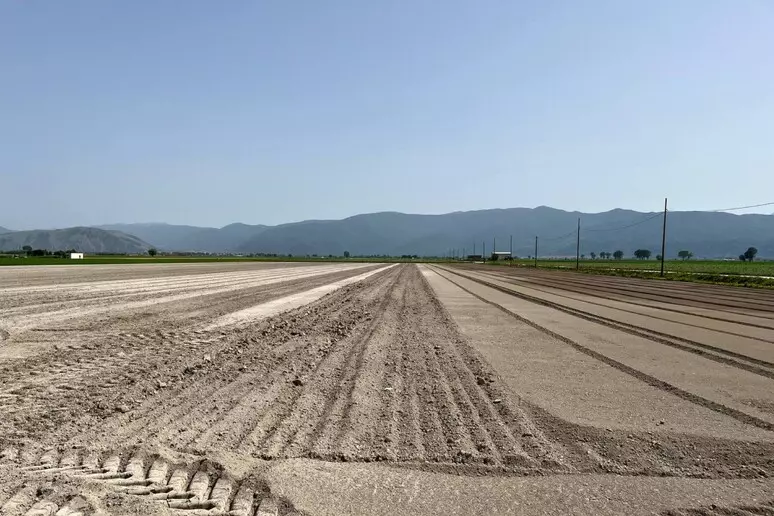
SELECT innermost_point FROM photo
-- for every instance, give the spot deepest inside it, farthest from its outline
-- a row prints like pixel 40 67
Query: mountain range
pixel 84 239
pixel 706 234
pixel 170 237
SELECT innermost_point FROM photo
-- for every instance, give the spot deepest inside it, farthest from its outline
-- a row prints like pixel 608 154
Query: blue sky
pixel 265 112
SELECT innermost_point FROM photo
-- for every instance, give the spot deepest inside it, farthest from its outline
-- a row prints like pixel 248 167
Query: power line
pixel 655 216
pixel 746 207
pixel 629 225
pixel 559 237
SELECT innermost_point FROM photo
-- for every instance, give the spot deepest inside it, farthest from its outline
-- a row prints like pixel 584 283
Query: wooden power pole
pixel 663 239
pixel 536 242
pixel 577 248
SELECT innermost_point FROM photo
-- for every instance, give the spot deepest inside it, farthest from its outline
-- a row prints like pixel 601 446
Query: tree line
pixel 29 251
pixel 645 254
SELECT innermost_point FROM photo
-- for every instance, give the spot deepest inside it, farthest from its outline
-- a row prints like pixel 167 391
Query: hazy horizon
pixel 161 222
pixel 266 113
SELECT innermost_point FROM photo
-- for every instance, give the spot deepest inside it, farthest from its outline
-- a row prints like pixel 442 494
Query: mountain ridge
pixel 706 234
pixel 81 238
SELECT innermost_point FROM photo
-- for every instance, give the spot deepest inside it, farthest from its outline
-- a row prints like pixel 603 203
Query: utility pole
pixel 663 239
pixel 494 244
pixel 577 248
pixel 511 261
pixel 483 252
pixel 536 238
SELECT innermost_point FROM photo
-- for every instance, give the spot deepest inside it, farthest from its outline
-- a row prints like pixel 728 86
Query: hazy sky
pixel 207 113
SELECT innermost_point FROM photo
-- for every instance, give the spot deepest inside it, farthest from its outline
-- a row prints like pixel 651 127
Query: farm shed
pixel 76 256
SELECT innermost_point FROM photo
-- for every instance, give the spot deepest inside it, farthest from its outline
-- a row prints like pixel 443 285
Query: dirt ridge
pixel 650 380
pixel 742 361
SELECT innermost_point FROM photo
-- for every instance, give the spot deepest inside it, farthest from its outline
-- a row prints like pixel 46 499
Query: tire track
pixel 400 402
pixel 284 421
pixel 320 439
pixel 259 374
pixel 435 441
pixel 223 399
pixel 518 438
pixel 186 486
pixel 650 380
pixel 355 373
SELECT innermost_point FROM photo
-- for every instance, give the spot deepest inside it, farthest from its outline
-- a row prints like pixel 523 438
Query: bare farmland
pixel 257 389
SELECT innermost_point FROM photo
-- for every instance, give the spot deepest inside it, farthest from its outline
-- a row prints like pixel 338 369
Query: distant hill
pixel 84 239
pixel 226 239
pixel 4 230
pixel 170 237
pixel 163 236
pixel 706 234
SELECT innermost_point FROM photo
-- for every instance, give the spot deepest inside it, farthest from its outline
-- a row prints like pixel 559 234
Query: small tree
pixel 685 255
pixel 618 255
pixel 658 257
pixel 346 254
pixel 153 251
pixel 27 249
pixel 583 257
pixel 750 253
pixel 593 255
pixel 742 257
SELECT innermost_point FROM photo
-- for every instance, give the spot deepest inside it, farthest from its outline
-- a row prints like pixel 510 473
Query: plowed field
pixel 276 389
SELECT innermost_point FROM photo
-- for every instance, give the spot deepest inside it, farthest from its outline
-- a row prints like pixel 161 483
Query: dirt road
pixel 368 389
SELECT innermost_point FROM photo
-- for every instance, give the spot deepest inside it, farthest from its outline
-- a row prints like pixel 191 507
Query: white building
pixel 76 256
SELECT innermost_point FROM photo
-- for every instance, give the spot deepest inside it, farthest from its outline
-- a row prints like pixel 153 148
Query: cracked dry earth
pixel 277 389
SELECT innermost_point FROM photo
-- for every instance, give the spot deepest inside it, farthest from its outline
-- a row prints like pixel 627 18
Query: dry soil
pixel 276 389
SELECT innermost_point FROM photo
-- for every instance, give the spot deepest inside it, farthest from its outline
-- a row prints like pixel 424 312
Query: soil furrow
pixel 667 293
pixel 725 331
pixel 296 398
pixel 389 388
pixel 329 430
pixel 712 352
pixel 359 405
pixel 656 303
pixel 742 361
pixel 650 380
